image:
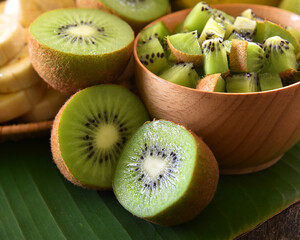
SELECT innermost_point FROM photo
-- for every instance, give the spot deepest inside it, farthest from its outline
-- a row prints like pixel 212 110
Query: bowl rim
pixel 244 5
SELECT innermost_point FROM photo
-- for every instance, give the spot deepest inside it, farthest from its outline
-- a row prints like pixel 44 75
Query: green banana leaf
pixel 36 202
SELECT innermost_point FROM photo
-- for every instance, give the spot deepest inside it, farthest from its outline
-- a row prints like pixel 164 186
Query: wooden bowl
pixel 247 132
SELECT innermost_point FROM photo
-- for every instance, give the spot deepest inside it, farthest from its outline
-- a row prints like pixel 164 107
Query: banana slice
pixel 16 104
pixel 28 10
pixel 18 73
pixel 12 38
pixel 47 108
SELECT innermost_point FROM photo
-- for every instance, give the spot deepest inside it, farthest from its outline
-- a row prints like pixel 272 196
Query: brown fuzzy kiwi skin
pixel 208 83
pixel 197 60
pixel 136 25
pixel 57 157
pixel 69 73
pixel 238 56
pixel 200 192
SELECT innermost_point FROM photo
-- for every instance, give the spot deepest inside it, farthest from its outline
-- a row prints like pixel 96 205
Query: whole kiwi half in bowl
pixel 247 132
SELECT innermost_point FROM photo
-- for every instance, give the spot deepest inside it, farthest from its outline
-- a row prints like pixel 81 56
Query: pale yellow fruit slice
pixel 12 38
pixel 28 10
pixel 18 73
pixel 47 107
pixel 14 105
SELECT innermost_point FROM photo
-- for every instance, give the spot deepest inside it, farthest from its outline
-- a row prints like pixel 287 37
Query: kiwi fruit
pixel 244 28
pixel 212 29
pixel 279 56
pixel 166 174
pixel 248 13
pixel 75 48
pixel 186 48
pixel 225 20
pixel 198 17
pixel 242 83
pixel 215 57
pixel 183 74
pixel 152 56
pixel 269 81
pixel 90 131
pixel 157 30
pixel 137 13
pixel 246 56
pixel 212 83
pixel 294 32
pixel 273 29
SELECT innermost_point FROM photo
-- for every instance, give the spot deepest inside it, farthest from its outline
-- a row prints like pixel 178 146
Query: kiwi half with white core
pixel 90 131
pixel 166 174
pixel 136 12
pixel 75 48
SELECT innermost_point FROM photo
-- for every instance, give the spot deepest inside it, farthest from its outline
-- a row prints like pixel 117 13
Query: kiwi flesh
pixel 152 56
pixel 186 48
pixel 244 28
pixel 272 29
pixel 75 48
pixel 90 131
pixel 215 57
pixel 212 83
pixel 166 174
pixel 248 13
pixel 212 29
pixel 183 74
pixel 137 13
pixel 246 56
pixel 279 56
pixel 269 81
pixel 198 17
pixel 242 83
pixel 159 30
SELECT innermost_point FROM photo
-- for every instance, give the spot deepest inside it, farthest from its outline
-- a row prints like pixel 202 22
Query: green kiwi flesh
pixel 212 29
pixel 75 48
pixel 279 56
pixel 186 48
pixel 90 131
pixel 158 30
pixel 272 29
pixel 242 83
pixel 152 56
pixel 198 17
pixel 166 174
pixel 183 74
pixel 215 56
pixel 244 27
pixel 269 81
pixel 248 13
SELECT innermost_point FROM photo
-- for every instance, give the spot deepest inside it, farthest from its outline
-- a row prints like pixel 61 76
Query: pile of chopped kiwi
pixel 213 51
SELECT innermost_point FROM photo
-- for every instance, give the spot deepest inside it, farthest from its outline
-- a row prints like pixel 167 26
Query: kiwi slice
pixel 279 56
pixel 259 35
pixel 137 13
pixel 269 81
pixel 198 17
pixel 272 29
pixel 244 28
pixel 166 174
pixel 215 57
pixel 90 131
pixel 183 74
pixel 294 32
pixel 246 56
pixel 152 56
pixel 248 13
pixel 225 20
pixel 186 48
pixel 212 83
pixel 212 29
pixel 227 45
pixel 242 83
pixel 75 48
pixel 158 30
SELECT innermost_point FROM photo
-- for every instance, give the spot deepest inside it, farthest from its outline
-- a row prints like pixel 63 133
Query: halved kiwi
pixel 75 48
pixel 166 174
pixel 136 12
pixel 90 131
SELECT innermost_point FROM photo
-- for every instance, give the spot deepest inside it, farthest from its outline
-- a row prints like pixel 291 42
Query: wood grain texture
pixel 247 132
